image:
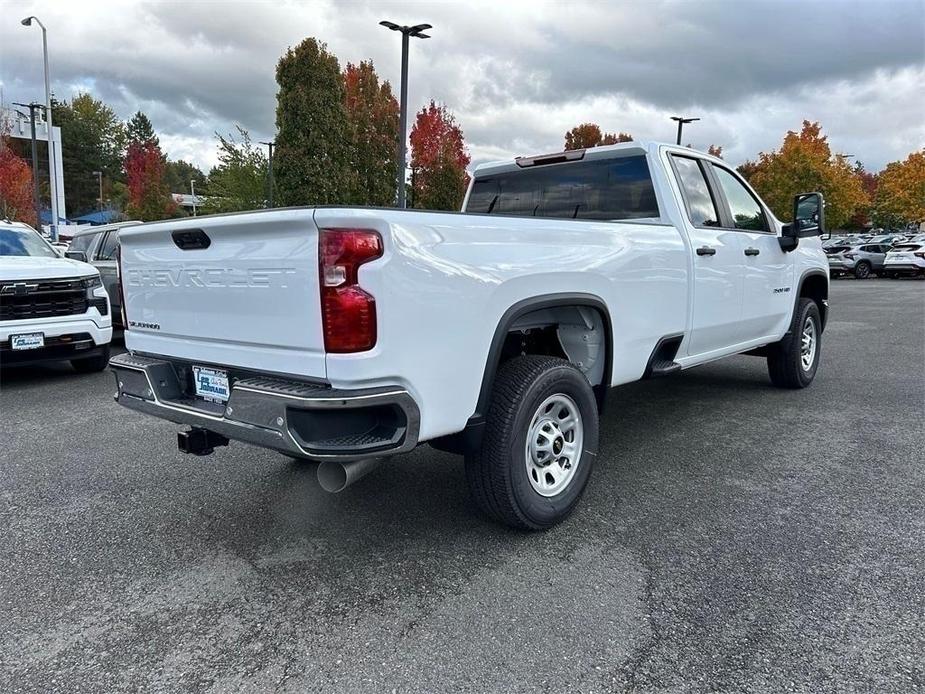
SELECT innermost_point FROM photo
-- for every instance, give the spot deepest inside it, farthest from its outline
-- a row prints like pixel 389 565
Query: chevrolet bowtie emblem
pixel 18 288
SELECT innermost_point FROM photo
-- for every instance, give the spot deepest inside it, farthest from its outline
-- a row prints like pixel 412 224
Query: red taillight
pixel 849 256
pixel 919 255
pixel 119 282
pixel 348 313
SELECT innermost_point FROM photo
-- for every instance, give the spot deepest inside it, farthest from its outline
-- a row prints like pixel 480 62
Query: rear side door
pixel 717 261
pixel 768 271
pixel 104 259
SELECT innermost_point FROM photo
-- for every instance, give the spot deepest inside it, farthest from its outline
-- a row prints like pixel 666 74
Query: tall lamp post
pixel 52 177
pixel 270 171
pixel 681 122
pixel 33 107
pixel 99 178
pixel 406 32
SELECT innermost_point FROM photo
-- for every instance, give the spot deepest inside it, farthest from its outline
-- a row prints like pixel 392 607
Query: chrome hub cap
pixel 554 445
pixel 808 344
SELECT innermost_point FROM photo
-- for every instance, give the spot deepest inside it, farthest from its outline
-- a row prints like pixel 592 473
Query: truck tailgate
pixel 238 290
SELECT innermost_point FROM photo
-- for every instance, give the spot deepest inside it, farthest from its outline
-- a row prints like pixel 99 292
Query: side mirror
pixel 76 255
pixel 808 215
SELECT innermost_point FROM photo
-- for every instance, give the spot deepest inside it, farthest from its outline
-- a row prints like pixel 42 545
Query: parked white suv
pixel 347 335
pixel 51 308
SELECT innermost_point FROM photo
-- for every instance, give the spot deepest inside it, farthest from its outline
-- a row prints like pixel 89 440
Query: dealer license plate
pixel 211 384
pixel 27 341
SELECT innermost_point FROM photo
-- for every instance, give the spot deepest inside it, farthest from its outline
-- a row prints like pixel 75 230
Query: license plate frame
pixel 26 341
pixel 211 384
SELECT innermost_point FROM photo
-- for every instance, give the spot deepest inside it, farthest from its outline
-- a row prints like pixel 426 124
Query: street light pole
pixel 270 171
pixel 406 33
pixel 52 171
pixel 35 163
pixel 681 122
pixel 99 177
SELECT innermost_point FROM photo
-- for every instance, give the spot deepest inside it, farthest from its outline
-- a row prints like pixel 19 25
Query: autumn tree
pixel 862 216
pixel 715 151
pixel 747 169
pixel 372 133
pixel 239 181
pixel 900 196
pixel 15 185
pixel 311 163
pixel 148 196
pixel 92 139
pixel 590 135
pixel 805 163
pixel 438 160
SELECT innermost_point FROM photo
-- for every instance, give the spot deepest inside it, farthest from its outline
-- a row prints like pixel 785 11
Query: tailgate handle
pixel 191 239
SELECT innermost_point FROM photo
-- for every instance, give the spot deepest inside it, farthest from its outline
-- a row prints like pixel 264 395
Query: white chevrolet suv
pixel 51 308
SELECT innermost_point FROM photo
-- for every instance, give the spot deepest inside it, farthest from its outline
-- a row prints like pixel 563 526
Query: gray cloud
pixel 516 74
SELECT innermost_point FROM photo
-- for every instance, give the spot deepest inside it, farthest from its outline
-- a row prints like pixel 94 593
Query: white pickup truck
pixel 346 335
pixel 51 308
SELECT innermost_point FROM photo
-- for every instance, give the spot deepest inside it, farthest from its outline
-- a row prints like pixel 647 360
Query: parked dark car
pixel 97 246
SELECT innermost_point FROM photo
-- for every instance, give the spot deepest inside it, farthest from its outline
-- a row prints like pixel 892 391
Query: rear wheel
pixel 539 445
pixel 792 362
pixel 862 270
pixel 92 364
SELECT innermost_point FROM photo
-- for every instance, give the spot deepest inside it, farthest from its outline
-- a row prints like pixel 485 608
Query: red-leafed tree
pixel 148 194
pixel 715 151
pixel 590 135
pixel 372 133
pixel 15 185
pixel 438 160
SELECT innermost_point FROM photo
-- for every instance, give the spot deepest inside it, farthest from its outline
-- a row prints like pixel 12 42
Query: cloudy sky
pixel 516 74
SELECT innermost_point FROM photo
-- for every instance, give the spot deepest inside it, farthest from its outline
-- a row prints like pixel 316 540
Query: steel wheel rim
pixel 554 444
pixel 808 343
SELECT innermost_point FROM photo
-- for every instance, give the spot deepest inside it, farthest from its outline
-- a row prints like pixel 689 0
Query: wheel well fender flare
pixel 816 279
pixel 524 307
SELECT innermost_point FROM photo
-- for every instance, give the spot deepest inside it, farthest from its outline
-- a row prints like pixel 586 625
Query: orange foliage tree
pixel 15 185
pixel 590 135
pixel 438 160
pixel 805 163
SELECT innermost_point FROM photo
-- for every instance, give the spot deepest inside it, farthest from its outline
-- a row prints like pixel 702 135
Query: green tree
pixel 239 181
pixel 372 131
pixel 92 139
pixel 178 175
pixel 311 163
pixel 805 163
pixel 139 129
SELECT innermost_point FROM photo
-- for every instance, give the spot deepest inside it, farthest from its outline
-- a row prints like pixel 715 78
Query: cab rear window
pixel 603 189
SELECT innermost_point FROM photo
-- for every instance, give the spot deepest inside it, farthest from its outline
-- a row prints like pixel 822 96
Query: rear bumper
pixel 904 267
pixel 312 421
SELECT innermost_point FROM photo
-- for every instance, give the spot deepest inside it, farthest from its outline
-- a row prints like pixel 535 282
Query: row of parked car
pixel 885 255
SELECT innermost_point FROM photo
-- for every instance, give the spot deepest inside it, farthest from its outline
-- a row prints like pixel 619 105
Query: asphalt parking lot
pixel 735 537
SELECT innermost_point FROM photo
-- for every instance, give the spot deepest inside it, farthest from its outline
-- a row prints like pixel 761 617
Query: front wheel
pixel 792 362
pixel 862 270
pixel 539 444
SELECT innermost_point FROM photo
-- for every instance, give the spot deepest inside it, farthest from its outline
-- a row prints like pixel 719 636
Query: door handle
pixel 752 251
pixel 706 250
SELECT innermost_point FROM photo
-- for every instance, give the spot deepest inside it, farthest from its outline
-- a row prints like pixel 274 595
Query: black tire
pixel 785 358
pixel 92 364
pixel 498 474
pixel 862 270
